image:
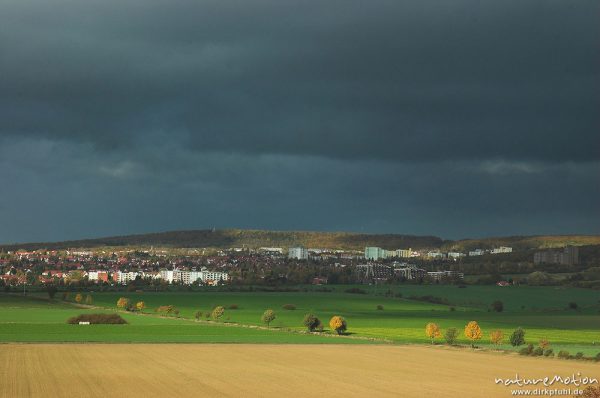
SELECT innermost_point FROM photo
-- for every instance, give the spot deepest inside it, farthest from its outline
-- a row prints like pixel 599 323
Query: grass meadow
pixel 542 311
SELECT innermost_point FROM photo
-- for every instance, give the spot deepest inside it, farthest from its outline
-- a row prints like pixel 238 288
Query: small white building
pixel 502 249
pixel 476 252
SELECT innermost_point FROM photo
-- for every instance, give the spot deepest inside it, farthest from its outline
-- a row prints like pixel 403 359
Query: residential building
pixel 456 255
pixel 375 253
pixel 375 271
pixel 440 275
pixel 298 253
pixel 409 272
pixel 569 256
pixel 501 249
pixel 403 253
pixel 476 252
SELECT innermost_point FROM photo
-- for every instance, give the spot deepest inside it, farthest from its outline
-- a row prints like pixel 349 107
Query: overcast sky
pixel 449 118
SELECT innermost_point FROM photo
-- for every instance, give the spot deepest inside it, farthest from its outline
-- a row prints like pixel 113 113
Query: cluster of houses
pixel 381 272
pixel 175 276
pixel 377 253
pixel 477 252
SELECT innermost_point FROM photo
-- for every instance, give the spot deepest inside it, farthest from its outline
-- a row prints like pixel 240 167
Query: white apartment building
pixel 476 252
pixel 298 253
pixel 501 249
pixel 124 277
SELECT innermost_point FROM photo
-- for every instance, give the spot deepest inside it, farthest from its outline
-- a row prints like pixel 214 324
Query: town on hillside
pixel 273 265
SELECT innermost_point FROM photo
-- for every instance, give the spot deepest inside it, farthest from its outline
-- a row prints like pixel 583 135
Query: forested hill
pixel 226 238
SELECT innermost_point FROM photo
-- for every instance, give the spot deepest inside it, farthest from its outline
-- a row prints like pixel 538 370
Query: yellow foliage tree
pixel 78 298
pixel 140 305
pixel 473 332
pixel 496 337
pixel 432 330
pixel 123 303
pixel 338 324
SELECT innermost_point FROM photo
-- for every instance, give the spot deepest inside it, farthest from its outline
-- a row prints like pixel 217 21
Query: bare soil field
pixel 188 370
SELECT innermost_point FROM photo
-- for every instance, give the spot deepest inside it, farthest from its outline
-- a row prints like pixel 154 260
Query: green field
pixel 542 311
pixel 33 320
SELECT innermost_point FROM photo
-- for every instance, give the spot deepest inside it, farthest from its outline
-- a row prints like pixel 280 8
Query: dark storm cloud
pixel 339 79
pixel 379 116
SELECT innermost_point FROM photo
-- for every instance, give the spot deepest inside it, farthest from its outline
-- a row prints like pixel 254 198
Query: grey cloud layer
pixel 415 80
pixel 386 116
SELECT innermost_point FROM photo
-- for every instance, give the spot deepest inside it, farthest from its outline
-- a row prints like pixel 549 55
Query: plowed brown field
pixel 187 370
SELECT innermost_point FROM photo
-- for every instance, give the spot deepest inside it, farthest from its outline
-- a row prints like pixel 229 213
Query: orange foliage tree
pixel 544 344
pixel 473 332
pixel 78 298
pixel 432 330
pixel 338 324
pixel 123 303
pixel 496 337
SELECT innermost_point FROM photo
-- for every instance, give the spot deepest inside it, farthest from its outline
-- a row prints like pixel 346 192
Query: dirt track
pixel 186 370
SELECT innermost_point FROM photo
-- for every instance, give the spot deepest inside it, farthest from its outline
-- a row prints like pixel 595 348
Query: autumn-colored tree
pixel 78 298
pixel 217 312
pixel 140 305
pixel 432 330
pixel 496 337
pixel 88 299
pixel 123 303
pixel 473 332
pixel 338 324
pixel 544 343
pixel 268 316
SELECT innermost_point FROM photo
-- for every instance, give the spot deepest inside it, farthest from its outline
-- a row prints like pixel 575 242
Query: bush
pixel 311 322
pixel 573 305
pixel 564 354
pixel 597 357
pixel 526 350
pixel 579 355
pixel 97 319
pixel 539 351
pixel 233 307
pixel 198 315
pixel 549 352
pixel 289 307
pixel 498 306
pixel 379 307
pixel 517 338
pixel 451 335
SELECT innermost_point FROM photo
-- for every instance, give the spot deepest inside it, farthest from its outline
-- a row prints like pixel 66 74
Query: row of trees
pixel 125 304
pixel 474 333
